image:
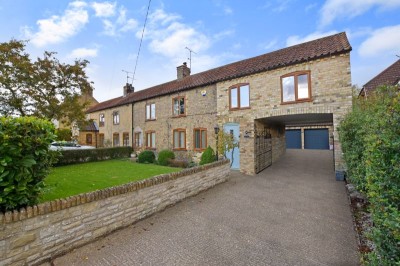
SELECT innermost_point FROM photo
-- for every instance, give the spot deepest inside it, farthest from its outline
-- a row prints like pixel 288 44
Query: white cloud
pixel 169 37
pixel 105 9
pixel 295 39
pixel 270 45
pixel 334 9
pixel 281 5
pixel 57 29
pixel 228 10
pixel 83 53
pixel 223 34
pixel 382 41
pixel 121 24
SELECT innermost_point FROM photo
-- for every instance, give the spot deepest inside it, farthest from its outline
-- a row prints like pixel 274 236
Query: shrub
pixel 208 156
pixel 370 137
pixel 146 157
pixel 92 155
pixel 25 160
pixel 178 163
pixel 164 156
pixel 64 134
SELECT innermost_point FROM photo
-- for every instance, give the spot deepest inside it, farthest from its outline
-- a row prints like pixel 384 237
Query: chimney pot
pixel 182 71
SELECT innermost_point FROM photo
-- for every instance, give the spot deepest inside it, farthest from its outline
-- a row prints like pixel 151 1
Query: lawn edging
pixel 39 233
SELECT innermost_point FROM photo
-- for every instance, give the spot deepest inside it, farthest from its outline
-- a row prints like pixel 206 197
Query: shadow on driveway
pixel 293 213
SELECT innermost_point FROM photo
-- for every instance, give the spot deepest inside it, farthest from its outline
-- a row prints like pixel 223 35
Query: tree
pixel 45 88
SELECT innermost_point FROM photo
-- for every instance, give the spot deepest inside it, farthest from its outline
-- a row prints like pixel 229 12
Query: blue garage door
pixel 293 139
pixel 316 139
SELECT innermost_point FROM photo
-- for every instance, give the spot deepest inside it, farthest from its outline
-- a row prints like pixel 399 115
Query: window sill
pixel 298 101
pixel 149 120
pixel 150 148
pixel 180 149
pixel 199 150
pixel 178 116
pixel 237 109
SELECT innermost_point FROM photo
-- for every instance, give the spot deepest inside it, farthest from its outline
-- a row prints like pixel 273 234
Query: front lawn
pixel 71 180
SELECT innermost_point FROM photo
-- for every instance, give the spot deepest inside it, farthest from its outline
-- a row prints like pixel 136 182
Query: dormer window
pixel 296 87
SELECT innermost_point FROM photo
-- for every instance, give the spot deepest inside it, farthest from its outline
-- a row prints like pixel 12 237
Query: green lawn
pixel 71 180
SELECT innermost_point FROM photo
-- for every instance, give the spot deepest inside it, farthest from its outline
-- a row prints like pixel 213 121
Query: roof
pixel 323 47
pixel 390 76
pixel 88 126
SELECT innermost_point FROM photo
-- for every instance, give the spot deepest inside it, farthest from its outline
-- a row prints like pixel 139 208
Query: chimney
pixel 182 71
pixel 128 88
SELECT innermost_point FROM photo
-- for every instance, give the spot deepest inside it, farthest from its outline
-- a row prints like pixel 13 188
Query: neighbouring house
pixel 390 76
pixel 256 100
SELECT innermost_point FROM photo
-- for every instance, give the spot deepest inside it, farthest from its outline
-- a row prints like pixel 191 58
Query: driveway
pixel 292 213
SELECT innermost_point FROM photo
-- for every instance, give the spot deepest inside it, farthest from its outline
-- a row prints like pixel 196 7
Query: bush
pixel 25 160
pixel 370 137
pixel 164 156
pixel 64 134
pixel 178 163
pixel 146 157
pixel 208 156
pixel 92 155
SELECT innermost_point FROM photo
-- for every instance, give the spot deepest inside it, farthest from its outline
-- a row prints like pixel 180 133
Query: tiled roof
pixel 323 47
pixel 88 126
pixel 389 76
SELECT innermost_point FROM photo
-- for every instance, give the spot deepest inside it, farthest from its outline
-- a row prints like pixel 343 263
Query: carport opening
pixel 297 131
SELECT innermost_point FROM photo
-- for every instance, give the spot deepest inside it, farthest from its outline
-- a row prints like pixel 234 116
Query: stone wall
pixel 37 234
pixel 330 90
pixel 200 112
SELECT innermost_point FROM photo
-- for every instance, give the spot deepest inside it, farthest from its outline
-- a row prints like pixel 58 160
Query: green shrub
pixel 146 157
pixel 92 155
pixel 25 160
pixel 164 156
pixel 208 156
pixel 64 134
pixel 370 137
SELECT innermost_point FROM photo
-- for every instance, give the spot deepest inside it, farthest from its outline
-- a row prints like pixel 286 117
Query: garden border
pixel 37 234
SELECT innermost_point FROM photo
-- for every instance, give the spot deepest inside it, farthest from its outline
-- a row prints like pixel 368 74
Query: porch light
pixel 216 129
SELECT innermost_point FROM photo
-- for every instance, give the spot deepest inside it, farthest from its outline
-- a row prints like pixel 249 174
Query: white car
pixel 68 145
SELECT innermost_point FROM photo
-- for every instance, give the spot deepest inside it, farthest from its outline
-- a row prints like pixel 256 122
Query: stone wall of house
pixel 109 128
pixel 82 138
pixel 201 110
pixel 330 90
pixel 36 234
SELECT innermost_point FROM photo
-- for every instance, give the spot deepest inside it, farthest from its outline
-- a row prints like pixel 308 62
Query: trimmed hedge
pixel 208 156
pixel 164 156
pixel 93 155
pixel 146 157
pixel 370 137
pixel 25 160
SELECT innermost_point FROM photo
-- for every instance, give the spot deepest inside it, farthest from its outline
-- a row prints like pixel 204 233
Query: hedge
pixel 25 160
pixel 370 137
pixel 164 156
pixel 146 157
pixel 92 155
pixel 208 156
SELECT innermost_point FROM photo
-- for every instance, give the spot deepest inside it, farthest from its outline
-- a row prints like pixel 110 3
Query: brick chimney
pixel 182 71
pixel 128 88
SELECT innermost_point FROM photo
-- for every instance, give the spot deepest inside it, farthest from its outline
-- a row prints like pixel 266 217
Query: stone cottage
pixel 255 100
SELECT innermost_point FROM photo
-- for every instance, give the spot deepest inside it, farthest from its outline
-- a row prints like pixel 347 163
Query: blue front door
pixel 233 155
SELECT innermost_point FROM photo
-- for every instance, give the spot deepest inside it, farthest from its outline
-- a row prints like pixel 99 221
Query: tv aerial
pixel 128 76
pixel 190 57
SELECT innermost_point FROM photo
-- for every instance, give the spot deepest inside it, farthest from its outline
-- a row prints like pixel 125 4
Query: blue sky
pixel 107 33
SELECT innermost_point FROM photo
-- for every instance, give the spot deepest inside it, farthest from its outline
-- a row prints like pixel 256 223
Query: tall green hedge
pixel 25 160
pixel 370 137
pixel 92 155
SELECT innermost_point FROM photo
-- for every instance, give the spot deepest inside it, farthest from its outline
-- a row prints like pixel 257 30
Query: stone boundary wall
pixel 37 234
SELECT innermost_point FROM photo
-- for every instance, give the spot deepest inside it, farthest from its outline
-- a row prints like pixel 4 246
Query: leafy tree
pixel 45 88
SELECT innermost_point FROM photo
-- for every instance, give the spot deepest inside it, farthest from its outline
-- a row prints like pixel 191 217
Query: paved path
pixel 293 213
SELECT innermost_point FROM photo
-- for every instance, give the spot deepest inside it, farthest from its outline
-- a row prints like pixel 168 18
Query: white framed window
pixel 151 111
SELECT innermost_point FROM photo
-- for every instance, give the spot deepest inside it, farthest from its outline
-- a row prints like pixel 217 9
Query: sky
pixel 219 32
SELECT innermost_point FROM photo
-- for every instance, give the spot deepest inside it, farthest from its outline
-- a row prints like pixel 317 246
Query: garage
pixel 317 139
pixel 293 139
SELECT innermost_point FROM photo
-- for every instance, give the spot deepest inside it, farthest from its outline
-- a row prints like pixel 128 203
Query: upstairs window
pixel 102 119
pixel 200 139
pixel 116 118
pixel 239 96
pixel 180 139
pixel 151 111
pixel 296 87
pixel 179 106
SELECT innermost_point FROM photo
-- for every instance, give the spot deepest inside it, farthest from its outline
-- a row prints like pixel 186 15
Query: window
pixel 239 96
pixel 151 111
pixel 200 139
pixel 116 118
pixel 150 139
pixel 296 87
pixel 179 139
pixel 101 120
pixel 125 139
pixel 89 139
pixel 138 139
pixel 101 140
pixel 115 140
pixel 179 106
